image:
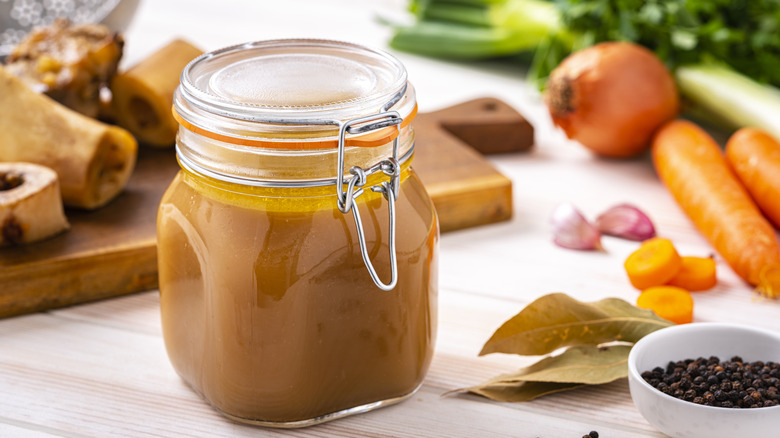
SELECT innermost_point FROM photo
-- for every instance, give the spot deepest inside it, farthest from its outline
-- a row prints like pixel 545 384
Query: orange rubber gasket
pixel 370 139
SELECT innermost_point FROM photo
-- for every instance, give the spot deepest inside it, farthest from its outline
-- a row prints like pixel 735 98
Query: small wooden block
pixel 466 189
pixel 488 125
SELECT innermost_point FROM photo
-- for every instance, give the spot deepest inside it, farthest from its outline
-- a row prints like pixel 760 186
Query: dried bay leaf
pixel 576 367
pixel 585 364
pixel 558 320
pixel 521 391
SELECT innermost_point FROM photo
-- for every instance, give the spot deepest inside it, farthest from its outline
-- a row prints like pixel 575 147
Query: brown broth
pixel 270 312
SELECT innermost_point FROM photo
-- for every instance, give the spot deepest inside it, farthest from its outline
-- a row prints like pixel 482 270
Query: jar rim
pixel 219 95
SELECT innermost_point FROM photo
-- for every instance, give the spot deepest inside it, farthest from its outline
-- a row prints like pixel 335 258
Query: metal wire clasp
pixel 389 189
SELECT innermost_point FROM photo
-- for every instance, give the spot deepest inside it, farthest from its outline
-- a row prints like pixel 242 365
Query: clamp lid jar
pixel 278 307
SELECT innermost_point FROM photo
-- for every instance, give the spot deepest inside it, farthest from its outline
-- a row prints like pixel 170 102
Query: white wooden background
pixel 100 370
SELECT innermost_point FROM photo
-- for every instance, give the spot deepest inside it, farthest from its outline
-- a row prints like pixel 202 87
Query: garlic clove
pixel 626 221
pixel 571 230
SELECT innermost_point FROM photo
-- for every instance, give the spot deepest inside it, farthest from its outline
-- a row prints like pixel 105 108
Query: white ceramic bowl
pixel 682 419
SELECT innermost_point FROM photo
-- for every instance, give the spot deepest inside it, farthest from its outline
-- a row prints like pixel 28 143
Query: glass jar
pixel 297 247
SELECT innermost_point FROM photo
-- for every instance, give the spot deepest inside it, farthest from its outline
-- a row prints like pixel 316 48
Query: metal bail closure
pixel 389 189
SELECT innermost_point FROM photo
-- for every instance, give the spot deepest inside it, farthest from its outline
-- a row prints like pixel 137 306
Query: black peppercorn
pixel 729 384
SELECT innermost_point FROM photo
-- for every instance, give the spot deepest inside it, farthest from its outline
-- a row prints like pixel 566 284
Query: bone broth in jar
pixel 297 247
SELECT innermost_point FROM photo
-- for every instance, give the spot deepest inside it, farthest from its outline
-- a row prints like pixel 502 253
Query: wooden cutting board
pixel 112 251
pixel 466 189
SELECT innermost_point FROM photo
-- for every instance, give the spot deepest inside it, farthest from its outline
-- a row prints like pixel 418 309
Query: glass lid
pixel 293 81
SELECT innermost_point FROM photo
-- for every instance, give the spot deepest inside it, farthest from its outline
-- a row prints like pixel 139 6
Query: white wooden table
pixel 100 370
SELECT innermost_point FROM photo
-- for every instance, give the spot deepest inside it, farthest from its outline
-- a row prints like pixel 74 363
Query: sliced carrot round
pixel 671 303
pixel 696 274
pixel 653 264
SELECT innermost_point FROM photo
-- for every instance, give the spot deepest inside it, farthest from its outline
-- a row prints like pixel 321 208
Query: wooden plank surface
pixel 112 251
pixel 100 369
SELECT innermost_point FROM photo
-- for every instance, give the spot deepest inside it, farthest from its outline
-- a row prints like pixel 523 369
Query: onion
pixel 611 97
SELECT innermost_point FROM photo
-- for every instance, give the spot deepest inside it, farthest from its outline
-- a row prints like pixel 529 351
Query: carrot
pixel 693 168
pixel 669 302
pixel 696 274
pixel 754 156
pixel 653 264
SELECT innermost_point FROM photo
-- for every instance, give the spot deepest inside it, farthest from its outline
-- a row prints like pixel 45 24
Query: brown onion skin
pixel 612 97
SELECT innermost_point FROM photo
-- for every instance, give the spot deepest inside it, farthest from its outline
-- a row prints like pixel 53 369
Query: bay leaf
pixel 557 320
pixel 575 367
pixel 521 391
pixel 585 364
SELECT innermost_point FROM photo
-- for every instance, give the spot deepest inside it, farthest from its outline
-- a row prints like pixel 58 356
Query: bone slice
pixel 30 204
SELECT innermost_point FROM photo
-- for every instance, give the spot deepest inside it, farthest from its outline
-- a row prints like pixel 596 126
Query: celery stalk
pixel 730 97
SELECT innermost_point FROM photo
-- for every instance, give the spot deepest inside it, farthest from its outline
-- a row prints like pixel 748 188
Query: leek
pixel 731 98
pixel 479 28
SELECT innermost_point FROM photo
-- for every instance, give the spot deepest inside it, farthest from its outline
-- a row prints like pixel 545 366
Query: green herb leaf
pixel 558 320
pixel 684 40
pixel 681 32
